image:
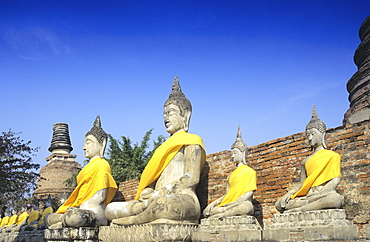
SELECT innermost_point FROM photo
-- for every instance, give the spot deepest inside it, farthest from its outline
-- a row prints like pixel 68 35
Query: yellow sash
pixel 34 215
pixel 164 154
pixel 21 218
pixel 12 220
pixel 320 168
pixel 242 180
pixel 46 211
pixel 4 221
pixel 96 175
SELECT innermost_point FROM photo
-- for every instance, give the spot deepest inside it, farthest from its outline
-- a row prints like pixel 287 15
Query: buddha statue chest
pixel 173 171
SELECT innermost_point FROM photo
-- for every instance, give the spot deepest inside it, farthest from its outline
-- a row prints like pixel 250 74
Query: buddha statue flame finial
pixel 97 131
pixel 239 143
pixel 315 122
pixel 177 97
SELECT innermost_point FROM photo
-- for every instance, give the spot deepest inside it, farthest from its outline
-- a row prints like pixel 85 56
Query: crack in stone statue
pixel 86 205
pixel 166 192
pixel 320 175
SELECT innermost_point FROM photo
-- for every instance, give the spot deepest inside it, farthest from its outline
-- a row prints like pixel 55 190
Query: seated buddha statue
pixel 21 221
pixel 241 184
pixel 166 191
pixel 95 187
pixel 320 175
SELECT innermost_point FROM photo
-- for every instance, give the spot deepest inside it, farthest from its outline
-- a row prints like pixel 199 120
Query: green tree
pixel 128 160
pixel 18 175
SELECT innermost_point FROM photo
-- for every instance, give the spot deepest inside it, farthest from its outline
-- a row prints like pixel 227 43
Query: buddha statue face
pixel 315 137
pixel 174 120
pixel 92 147
pixel 238 156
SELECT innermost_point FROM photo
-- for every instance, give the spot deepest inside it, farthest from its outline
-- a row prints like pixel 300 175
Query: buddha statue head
pixel 316 130
pixel 177 110
pixel 95 140
pixel 239 149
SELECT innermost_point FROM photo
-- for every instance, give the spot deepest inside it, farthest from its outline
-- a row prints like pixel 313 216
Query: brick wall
pixel 277 164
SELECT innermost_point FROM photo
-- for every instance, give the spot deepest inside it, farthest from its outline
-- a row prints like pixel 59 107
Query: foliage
pixel 127 161
pixel 18 175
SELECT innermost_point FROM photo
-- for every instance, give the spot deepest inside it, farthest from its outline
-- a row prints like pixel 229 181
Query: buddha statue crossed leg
pixel 166 191
pixel 95 187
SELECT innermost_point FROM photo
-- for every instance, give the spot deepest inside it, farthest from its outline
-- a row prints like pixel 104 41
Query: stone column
pixel 359 84
pixel 61 165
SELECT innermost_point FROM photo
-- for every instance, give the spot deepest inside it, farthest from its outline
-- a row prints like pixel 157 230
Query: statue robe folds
pixel 242 180
pixel 163 155
pixel 320 168
pixel 12 220
pixel 4 221
pixel 95 176
pixel 22 218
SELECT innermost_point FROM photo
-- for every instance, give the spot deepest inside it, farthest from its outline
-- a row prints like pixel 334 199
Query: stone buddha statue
pixel 241 184
pixel 21 221
pixel 166 191
pixel 320 175
pixel 95 187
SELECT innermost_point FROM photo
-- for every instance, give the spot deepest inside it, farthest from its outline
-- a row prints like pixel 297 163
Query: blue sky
pixel 257 64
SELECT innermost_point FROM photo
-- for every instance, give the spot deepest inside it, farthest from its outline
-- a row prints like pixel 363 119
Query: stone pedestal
pixel 235 228
pixel 147 232
pixel 367 231
pixel 82 234
pixel 23 236
pixel 320 225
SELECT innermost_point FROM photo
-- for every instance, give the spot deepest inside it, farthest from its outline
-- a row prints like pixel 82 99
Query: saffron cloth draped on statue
pixel 22 218
pixel 320 168
pixel 163 155
pixel 95 176
pixel 242 180
pixel 12 220
pixel 4 221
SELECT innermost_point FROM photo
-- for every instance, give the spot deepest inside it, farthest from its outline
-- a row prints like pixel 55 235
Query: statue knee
pixel 79 218
pixel 52 218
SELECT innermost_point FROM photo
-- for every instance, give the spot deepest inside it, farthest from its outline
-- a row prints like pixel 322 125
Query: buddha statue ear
pixel 323 140
pixel 186 117
pixel 102 148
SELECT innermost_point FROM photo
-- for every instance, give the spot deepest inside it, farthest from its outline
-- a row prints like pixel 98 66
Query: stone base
pixel 313 225
pixel 367 231
pixel 147 232
pixel 235 228
pixel 23 236
pixel 82 234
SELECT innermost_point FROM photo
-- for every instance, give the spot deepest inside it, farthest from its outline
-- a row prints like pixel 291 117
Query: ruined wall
pixel 277 164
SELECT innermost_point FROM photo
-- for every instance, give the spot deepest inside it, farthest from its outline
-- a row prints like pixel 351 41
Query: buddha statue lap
pixel 320 175
pixel 166 191
pixel 85 206
pixel 241 184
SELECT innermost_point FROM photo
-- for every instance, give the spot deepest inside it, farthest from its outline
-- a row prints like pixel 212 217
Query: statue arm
pixel 245 197
pixel 329 187
pixel 208 210
pixel 193 161
pixel 286 198
pixel 96 200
